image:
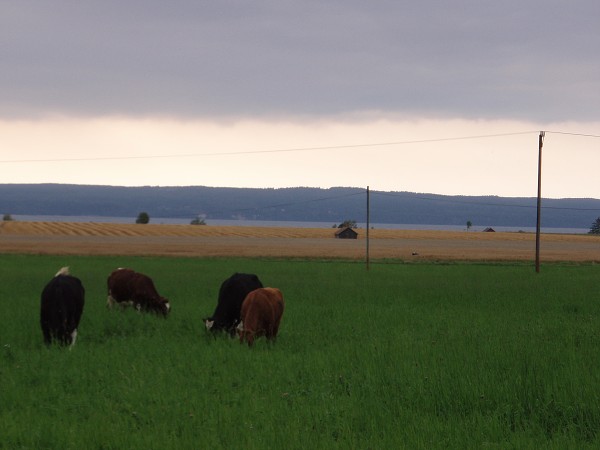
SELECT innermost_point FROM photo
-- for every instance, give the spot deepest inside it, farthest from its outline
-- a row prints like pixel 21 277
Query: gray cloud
pixel 532 60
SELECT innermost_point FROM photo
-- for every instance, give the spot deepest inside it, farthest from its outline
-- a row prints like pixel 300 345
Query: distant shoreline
pixel 289 224
pixel 301 207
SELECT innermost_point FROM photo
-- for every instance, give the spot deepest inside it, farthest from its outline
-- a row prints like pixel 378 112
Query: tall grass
pixel 401 356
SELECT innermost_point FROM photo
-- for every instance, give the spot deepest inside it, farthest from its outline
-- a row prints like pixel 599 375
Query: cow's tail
pixel 63 271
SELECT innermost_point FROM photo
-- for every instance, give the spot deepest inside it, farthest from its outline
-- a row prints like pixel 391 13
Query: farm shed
pixel 346 233
pixel 489 230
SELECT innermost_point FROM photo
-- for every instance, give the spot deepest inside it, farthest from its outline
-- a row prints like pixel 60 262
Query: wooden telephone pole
pixel 539 203
pixel 368 225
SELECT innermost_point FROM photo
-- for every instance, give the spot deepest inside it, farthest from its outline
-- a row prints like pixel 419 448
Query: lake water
pixel 285 224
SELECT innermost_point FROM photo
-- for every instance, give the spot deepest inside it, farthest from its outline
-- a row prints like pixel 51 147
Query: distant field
pixel 206 240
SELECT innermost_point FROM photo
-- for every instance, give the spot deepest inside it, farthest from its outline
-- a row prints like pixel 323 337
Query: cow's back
pixel 261 314
pixel 62 303
pixel 232 293
pixel 120 284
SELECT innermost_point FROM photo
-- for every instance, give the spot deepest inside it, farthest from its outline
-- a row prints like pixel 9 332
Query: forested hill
pixel 332 205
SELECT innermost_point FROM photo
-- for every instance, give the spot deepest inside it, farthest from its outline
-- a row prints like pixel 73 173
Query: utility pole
pixel 539 203
pixel 368 225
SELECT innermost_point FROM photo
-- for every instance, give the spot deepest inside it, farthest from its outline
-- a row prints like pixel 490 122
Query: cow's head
pixel 240 328
pixel 163 306
pixel 208 323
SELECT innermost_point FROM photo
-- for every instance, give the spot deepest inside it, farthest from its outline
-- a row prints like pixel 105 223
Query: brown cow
pixel 261 313
pixel 129 288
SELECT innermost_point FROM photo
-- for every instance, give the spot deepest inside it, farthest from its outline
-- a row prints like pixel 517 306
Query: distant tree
pixel 143 218
pixel 7 217
pixel 198 221
pixel 348 224
pixel 595 228
pixel 469 224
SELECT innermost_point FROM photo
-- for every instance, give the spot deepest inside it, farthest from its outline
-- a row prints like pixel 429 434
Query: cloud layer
pixel 229 59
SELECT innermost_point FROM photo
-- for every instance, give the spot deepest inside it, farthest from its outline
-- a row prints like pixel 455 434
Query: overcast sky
pixel 429 96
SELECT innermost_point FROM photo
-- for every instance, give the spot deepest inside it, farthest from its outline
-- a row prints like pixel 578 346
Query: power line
pixel 475 203
pixel 281 150
pixel 390 194
pixel 574 134
pixel 282 205
pixel 289 150
pixel 266 207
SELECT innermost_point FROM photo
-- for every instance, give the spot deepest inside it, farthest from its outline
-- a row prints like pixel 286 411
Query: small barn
pixel 346 233
pixel 489 230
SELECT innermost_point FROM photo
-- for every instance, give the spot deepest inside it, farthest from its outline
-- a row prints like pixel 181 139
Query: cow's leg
pixel 270 333
pixel 248 335
pixel 273 330
pixel 111 301
pixel 47 334
pixel 45 323
pixel 73 338
pixel 138 302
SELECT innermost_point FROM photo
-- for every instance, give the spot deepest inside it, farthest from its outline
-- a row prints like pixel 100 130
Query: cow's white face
pixel 209 324
pixel 240 329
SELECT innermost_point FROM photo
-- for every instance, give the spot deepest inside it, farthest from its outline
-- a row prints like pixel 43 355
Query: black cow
pixel 61 308
pixel 231 296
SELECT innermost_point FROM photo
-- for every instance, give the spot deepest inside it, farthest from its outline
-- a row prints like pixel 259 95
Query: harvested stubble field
pixel 211 241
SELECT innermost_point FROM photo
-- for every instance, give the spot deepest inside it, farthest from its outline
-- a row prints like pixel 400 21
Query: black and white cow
pixel 232 293
pixel 62 303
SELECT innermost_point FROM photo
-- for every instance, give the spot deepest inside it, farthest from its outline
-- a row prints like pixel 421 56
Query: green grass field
pixel 400 356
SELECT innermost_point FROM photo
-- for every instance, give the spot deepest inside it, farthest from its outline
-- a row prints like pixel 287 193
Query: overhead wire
pixel 574 134
pixel 477 203
pixel 288 204
pixel 337 147
pixel 280 150
pixel 441 199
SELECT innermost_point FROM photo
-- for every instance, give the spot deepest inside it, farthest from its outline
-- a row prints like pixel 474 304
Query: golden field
pixel 64 238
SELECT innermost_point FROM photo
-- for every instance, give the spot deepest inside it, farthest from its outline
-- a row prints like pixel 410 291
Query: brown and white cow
pixel 61 308
pixel 261 314
pixel 129 288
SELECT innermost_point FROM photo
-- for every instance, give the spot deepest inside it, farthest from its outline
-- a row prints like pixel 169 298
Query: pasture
pixel 402 356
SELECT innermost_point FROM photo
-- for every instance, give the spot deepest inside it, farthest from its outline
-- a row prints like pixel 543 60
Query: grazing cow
pixel 61 308
pixel 261 314
pixel 129 288
pixel 232 293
